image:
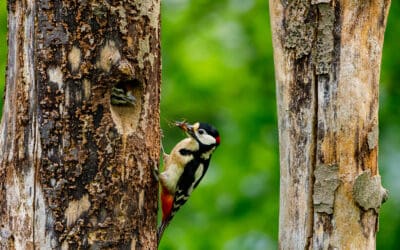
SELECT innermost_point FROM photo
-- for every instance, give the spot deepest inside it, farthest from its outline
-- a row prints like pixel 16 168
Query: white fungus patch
pixel 67 99
pixel 320 1
pixel 86 88
pixel 76 208
pixel 141 201
pixel 109 56
pixel 74 58
pixel 55 75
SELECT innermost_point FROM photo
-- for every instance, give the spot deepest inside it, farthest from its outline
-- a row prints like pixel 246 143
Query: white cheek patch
pixel 206 139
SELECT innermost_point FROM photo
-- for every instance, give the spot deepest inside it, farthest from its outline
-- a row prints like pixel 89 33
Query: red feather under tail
pixel 167 201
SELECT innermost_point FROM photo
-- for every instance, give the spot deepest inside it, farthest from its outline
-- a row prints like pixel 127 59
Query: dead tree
pixel 75 171
pixel 327 62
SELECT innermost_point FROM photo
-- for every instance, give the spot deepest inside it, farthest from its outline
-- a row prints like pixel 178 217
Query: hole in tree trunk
pixel 126 105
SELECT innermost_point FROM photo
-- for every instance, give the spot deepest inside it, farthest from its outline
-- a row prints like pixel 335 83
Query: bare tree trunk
pixel 75 171
pixel 327 65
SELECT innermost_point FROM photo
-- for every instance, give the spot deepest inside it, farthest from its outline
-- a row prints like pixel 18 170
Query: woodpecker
pixel 185 167
pixel 122 97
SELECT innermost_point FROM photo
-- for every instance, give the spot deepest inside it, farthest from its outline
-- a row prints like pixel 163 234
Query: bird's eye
pixel 201 131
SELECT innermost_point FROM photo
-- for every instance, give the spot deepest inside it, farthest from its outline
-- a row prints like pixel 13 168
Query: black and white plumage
pixel 185 167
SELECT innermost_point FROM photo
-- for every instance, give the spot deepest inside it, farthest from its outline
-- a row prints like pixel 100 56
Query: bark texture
pixel 327 63
pixel 75 172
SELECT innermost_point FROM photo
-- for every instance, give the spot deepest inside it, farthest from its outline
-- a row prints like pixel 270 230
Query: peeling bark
pixel 75 171
pixel 327 65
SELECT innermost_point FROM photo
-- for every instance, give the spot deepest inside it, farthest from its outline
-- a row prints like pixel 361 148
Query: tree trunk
pixel 75 171
pixel 327 65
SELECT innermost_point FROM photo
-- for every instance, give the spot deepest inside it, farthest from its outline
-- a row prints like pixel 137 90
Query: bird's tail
pixel 161 228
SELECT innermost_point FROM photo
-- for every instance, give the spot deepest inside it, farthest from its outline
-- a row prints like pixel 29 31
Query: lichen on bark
pixel 368 191
pixel 299 25
pixel 326 182
pixel 323 49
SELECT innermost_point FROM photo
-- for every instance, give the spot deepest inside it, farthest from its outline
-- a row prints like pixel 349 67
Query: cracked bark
pixel 327 63
pixel 75 171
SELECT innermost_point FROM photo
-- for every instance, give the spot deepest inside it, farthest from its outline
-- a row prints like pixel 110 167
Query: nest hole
pixel 126 105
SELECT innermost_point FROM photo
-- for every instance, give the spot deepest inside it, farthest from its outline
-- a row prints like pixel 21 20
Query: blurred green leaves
pixel 217 67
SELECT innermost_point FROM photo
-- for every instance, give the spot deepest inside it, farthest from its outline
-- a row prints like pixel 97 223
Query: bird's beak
pixel 188 128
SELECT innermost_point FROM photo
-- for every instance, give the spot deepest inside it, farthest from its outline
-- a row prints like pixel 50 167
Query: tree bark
pixel 327 63
pixel 75 171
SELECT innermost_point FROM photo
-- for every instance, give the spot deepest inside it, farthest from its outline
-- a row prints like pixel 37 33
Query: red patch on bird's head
pixel 218 139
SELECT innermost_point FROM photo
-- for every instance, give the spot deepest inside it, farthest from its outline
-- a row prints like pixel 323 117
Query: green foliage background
pixel 218 67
